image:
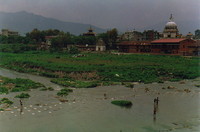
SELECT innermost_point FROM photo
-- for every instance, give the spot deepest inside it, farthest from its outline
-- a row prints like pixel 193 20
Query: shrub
pixel 22 95
pixel 6 101
pixel 47 74
pixel 64 92
pixel 197 85
pixel 74 50
pixel 76 84
pixel 22 84
pixel 45 89
pixel 3 90
pixel 123 103
pixel 130 85
pixel 16 48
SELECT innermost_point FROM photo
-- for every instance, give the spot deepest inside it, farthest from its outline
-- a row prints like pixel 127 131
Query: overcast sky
pixel 126 14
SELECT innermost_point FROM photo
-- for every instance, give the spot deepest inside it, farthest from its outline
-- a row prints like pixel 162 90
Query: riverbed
pixel 90 109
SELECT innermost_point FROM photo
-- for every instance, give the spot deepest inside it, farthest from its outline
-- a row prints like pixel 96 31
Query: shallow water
pixel 87 110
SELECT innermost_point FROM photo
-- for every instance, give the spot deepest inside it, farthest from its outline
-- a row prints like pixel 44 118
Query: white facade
pixel 171 29
pixel 100 46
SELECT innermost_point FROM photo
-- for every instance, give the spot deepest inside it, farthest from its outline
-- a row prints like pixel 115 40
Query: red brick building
pixel 135 46
pixel 179 46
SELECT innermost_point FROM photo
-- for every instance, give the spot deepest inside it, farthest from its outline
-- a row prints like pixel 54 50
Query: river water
pixel 88 110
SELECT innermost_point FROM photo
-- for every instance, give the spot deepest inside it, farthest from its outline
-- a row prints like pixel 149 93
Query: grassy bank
pixel 102 67
pixel 17 85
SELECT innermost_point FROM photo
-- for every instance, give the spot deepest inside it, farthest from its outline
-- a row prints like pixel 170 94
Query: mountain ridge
pixel 24 22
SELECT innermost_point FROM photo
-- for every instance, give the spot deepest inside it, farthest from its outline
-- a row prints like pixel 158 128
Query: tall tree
pixel 61 41
pixel 112 37
pixel 36 35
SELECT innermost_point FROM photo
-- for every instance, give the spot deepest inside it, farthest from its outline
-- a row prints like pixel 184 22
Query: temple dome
pixel 171 29
pixel 171 24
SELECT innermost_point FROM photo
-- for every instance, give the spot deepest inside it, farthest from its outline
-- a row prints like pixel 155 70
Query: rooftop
pixel 135 43
pixel 168 40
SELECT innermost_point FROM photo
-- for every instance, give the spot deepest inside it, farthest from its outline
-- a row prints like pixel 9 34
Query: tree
pixel 105 38
pixel 112 37
pixel 13 39
pixel 91 40
pixel 61 41
pixel 36 35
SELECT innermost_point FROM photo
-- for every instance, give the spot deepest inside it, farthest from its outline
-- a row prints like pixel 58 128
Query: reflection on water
pixel 90 110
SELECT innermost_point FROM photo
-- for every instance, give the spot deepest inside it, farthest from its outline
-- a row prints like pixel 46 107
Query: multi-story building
pixel 131 36
pixel 149 35
pixel 135 46
pixel 6 32
pixel 177 46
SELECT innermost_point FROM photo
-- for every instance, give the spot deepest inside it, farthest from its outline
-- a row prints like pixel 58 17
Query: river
pixel 88 110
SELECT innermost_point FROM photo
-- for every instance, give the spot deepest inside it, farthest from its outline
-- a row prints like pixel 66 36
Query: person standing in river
pixel 21 106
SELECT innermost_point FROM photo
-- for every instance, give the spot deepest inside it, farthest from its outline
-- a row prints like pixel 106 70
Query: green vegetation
pixel 3 90
pixel 22 95
pixel 74 50
pixel 47 74
pixel 104 67
pixel 16 48
pixel 197 85
pixel 45 89
pixel 129 85
pixel 17 85
pixel 13 39
pixel 76 84
pixel 64 92
pixel 123 103
pixel 6 101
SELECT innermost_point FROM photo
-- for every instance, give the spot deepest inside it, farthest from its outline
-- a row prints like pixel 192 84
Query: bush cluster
pixel 17 85
pixel 6 101
pixel 22 95
pixel 64 92
pixel 123 103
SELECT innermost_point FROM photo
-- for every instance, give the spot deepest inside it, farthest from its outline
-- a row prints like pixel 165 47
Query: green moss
pixel 22 95
pixel 123 103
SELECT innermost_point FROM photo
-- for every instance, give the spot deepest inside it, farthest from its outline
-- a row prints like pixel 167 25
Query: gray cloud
pixel 123 14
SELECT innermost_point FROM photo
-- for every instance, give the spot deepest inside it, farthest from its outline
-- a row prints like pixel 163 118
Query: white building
pixel 171 29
